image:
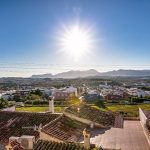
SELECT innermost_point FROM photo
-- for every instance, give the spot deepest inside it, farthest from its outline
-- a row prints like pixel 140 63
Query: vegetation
pixel 126 110
pixel 145 88
pixel 37 102
pixel 36 95
pixel 17 98
pixel 100 104
pixel 134 100
pixel 4 103
pixel 130 109
pixel 74 101
pixel 39 109
pixel 147 97
pixel 33 97
pixel 37 92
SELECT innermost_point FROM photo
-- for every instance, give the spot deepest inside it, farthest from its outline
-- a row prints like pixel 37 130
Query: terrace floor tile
pixel 130 137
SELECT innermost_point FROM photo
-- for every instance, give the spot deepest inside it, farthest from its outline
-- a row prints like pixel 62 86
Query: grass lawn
pixel 39 109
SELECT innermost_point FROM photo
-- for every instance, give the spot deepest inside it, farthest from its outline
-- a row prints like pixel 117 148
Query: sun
pixel 76 42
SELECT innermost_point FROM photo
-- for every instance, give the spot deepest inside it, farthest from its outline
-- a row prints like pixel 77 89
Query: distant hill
pixel 77 74
pixel 70 74
pixel 43 76
pixel 122 72
pixel 92 72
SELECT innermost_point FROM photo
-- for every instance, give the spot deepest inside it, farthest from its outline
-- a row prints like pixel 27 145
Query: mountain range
pixel 92 73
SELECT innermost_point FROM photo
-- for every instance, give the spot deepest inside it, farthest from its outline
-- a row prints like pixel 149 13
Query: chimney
pixel 92 125
pixel 78 110
pixel 27 141
pixel 35 127
pixel 87 136
pixel 51 104
pixel 40 127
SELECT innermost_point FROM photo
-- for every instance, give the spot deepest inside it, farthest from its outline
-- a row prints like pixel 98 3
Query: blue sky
pixel 29 31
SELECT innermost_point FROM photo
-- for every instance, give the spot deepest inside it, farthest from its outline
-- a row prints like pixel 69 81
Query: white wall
pixel 142 116
pixel 13 108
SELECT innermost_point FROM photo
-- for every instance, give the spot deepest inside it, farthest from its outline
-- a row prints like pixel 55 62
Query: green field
pixel 129 110
pixel 129 107
pixel 39 109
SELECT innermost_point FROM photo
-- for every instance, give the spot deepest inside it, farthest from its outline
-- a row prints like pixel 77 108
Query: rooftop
pixel 65 129
pixel 22 123
pixel 93 114
pixel 49 145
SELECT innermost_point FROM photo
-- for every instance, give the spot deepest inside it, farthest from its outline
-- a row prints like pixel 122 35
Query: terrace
pixel 147 125
pixel 130 137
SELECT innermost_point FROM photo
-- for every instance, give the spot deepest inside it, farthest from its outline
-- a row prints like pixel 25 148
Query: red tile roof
pixel 12 123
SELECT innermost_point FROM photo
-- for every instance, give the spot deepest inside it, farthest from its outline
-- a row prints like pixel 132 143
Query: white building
pixel 71 89
pixel 137 92
pixel 64 93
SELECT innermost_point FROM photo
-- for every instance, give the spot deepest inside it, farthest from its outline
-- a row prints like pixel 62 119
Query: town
pixel 74 75
pixel 82 113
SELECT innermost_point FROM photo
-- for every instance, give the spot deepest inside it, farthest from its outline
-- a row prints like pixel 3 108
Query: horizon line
pixel 53 74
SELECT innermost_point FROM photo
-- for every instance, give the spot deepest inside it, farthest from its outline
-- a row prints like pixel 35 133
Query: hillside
pixel 92 73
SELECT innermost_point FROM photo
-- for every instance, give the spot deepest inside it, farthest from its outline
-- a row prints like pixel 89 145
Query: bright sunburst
pixel 76 42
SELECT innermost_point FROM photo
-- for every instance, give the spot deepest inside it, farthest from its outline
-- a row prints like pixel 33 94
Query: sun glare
pixel 76 42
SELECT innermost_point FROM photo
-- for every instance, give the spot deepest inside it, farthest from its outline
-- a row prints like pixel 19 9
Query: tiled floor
pixel 130 137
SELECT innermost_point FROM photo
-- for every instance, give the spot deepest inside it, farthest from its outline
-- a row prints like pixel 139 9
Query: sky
pixel 31 32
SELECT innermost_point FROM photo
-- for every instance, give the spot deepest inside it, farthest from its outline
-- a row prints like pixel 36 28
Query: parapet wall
pixel 142 116
pixel 143 120
pixel 13 108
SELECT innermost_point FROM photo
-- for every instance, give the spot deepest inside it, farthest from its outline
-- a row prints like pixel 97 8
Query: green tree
pixel 34 97
pixel 3 103
pixel 100 103
pixel 37 92
pixel 17 98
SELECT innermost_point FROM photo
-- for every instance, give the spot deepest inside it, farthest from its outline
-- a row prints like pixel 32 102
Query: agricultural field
pixel 39 109
pixel 128 110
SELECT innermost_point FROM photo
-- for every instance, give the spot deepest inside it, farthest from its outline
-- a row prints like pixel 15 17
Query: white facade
pixel 137 92
pixel 64 92
pixel 51 105
pixel 71 89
